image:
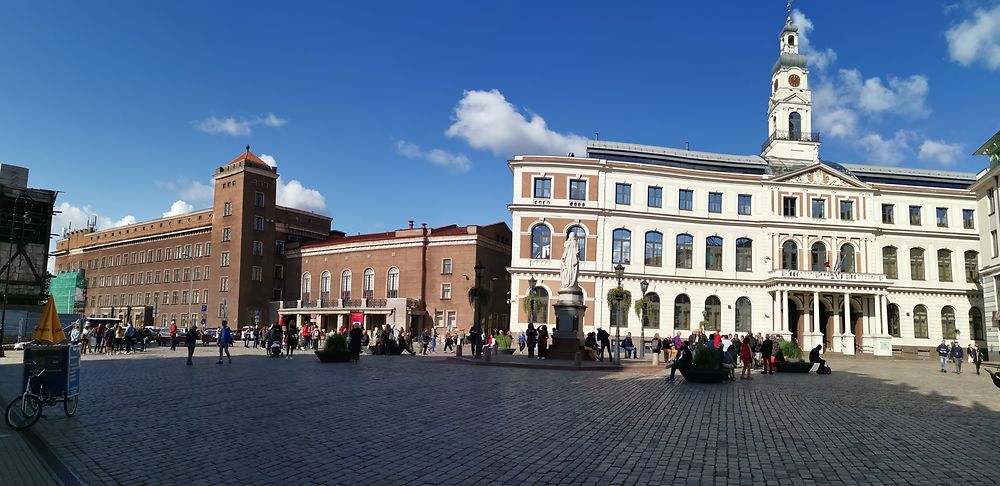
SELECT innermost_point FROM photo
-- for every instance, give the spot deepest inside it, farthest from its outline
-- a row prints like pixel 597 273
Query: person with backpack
pixel 225 339
pixel 191 340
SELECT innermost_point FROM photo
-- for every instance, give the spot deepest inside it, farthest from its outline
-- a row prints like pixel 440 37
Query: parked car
pixel 209 336
pixel 163 336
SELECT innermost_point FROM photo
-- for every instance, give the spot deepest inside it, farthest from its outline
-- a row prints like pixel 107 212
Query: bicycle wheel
pixel 70 404
pixel 23 412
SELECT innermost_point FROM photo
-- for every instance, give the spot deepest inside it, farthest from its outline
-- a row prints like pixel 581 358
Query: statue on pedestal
pixel 569 269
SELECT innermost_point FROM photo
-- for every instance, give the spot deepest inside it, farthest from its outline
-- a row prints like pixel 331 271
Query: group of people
pixel 748 352
pixel 956 354
pixel 116 339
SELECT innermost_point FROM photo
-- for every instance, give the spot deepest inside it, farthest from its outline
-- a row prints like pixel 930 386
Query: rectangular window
pixel 654 197
pixel 227 234
pixel 208 249
pixel 577 189
pixel 185 297
pixel 685 200
pixel 453 319
pixel 819 208
pixel 197 250
pixel 847 210
pixel 446 291
pixel 257 274
pixel 258 223
pixel 187 251
pixel 197 273
pixel 187 274
pixel 279 247
pixel 991 197
pixel 715 202
pixel 196 297
pixel 156 277
pixel 942 217
pixel 258 199
pixel 178 252
pixel 888 215
pixel 623 193
pixel 206 272
pixel 175 297
pixel 227 209
pixel 166 276
pixel 744 204
pixel 915 215
pixel 993 238
pixel 446 266
pixel 224 284
pixel 177 275
pixel 968 219
pixel 225 259
pixel 543 188
pixel 279 271
pixel 258 248
pixel 789 206
pixel 439 318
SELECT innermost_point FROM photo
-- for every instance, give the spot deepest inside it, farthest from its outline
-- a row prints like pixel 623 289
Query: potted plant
pixel 504 343
pixel 793 362
pixel 334 350
pixel 706 367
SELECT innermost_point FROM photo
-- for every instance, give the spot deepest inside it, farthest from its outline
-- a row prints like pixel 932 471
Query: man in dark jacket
pixel 942 351
pixel 191 339
pixel 956 355
pixel 605 339
pixel 814 358
pixel 683 362
pixel 766 348
pixel 425 340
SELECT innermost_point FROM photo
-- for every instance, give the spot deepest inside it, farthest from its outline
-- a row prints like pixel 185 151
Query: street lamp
pixel 187 254
pixel 619 274
pixel 644 286
pixel 479 276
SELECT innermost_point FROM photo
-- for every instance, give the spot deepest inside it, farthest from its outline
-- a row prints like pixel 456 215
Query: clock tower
pixel 789 111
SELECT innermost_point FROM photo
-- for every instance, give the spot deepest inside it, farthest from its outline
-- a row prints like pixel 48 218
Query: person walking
pixel 604 339
pixel 448 342
pixel 354 343
pixel 305 338
pixel 191 340
pixel 425 341
pixel 434 340
pixel 942 351
pixel 291 340
pixel 225 339
pixel 531 339
pixel 977 356
pixel 956 356
pixel 543 342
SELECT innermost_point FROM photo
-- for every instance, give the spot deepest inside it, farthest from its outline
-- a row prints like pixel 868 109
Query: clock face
pixel 794 80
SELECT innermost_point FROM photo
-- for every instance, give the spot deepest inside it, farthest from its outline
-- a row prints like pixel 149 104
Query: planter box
pixel 794 367
pixel 506 351
pixel 333 356
pixel 701 375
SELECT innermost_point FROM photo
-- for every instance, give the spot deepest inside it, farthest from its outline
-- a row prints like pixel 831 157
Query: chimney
pixel 410 224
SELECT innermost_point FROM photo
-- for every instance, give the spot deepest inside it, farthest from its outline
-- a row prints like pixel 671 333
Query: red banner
pixel 357 318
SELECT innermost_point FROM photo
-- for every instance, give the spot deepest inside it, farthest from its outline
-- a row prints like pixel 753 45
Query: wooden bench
pixel 923 353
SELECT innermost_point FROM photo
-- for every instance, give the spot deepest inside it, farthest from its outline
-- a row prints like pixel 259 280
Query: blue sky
pixel 381 112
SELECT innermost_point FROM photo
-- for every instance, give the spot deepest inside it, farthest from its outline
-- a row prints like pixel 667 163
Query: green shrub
pixel 336 343
pixel 706 358
pixel 790 350
pixel 504 341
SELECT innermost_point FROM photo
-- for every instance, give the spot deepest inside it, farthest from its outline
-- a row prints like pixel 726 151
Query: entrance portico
pixel 845 312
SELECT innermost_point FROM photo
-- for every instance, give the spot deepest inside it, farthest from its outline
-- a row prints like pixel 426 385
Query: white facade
pixel 987 188
pixel 765 204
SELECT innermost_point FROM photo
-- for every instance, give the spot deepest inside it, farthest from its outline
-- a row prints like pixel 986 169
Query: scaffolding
pixel 67 289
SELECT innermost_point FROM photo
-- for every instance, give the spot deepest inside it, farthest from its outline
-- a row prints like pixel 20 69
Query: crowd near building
pixel 860 258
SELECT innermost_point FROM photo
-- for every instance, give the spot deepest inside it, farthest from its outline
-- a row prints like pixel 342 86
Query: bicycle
pixel 25 410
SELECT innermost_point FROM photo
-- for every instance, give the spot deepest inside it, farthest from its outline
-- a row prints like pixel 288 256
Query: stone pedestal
pixel 846 343
pixel 567 337
pixel 810 340
pixel 883 345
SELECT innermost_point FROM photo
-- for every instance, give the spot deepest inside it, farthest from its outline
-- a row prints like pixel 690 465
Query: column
pixel 848 325
pixel 815 316
pixel 884 306
pixel 775 310
pixel 783 320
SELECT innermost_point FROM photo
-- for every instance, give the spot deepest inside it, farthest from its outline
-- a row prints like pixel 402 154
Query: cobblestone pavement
pixel 150 419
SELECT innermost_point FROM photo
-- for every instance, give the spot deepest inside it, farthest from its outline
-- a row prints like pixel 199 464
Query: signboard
pixel 357 318
pixel 256 313
pixel 204 308
pixel 202 321
pixel 73 372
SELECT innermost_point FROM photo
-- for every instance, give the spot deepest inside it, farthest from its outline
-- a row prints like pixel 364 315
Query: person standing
pixel 119 338
pixel 531 339
pixel 956 356
pixel 942 351
pixel 291 340
pixel 191 340
pixel 354 343
pixel 476 341
pixel 129 338
pixel 746 355
pixel 434 340
pixel 766 348
pixel 543 342
pixel 425 340
pixel 225 339
pixel 74 335
pixel 977 356
pixel 604 339
pixel 173 335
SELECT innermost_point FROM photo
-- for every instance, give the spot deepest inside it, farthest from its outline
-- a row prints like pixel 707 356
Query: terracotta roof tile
pixel 251 160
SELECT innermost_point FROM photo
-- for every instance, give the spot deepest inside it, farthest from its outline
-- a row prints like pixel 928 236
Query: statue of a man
pixel 569 270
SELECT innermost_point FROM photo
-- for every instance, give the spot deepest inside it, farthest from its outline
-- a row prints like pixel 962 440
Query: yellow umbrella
pixel 49 330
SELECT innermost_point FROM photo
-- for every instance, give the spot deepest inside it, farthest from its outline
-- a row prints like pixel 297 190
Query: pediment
pixel 821 175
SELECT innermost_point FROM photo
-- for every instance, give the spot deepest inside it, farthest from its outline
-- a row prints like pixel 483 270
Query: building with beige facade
pixel 228 259
pixel 987 188
pixel 412 278
pixel 861 258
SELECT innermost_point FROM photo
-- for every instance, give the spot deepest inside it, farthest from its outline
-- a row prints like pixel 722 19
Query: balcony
pixel 819 277
pixel 787 135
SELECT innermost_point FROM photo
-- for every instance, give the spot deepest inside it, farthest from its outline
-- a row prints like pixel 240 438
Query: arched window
pixel 682 312
pixel 917 263
pixel 893 319
pixel 685 251
pixel 392 283
pixel 944 265
pixel 789 255
pixel 621 246
pixel 819 263
pixel 976 324
pixel 795 126
pixel 653 314
pixel 920 322
pixel 744 255
pixel 791 40
pixel 654 249
pixel 889 262
pixel 541 314
pixel 581 241
pixel 971 267
pixel 368 284
pixel 306 285
pixel 345 285
pixel 324 286
pixel 948 323
pixel 847 258
pixel 541 242
pixel 713 313
pixel 713 253
pixel 743 314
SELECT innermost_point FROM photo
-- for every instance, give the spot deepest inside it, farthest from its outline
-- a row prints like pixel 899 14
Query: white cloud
pixel 486 120
pixel 976 40
pixel 940 152
pixel 269 160
pixel 820 58
pixel 237 127
pixel 75 217
pixel 294 194
pixel 177 208
pixel 888 152
pixel 831 114
pixel 438 157
pixel 193 191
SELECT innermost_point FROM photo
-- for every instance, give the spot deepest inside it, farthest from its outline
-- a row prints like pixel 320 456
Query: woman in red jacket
pixel 746 355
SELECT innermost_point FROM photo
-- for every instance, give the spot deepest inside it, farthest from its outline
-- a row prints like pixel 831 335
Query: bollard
pixel 458 351
pixel 578 359
pixel 656 359
pixel 488 355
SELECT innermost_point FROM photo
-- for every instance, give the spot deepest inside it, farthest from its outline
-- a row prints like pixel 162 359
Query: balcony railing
pixel 375 303
pixel 829 276
pixel 325 303
pixel 787 135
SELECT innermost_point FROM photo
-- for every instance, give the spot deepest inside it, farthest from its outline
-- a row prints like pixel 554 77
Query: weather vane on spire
pixel 788 7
